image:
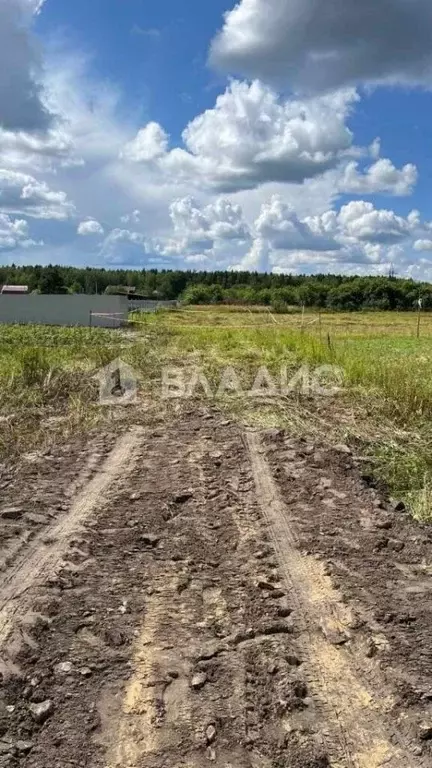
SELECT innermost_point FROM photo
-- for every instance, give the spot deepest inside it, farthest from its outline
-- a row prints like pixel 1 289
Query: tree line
pixel 281 292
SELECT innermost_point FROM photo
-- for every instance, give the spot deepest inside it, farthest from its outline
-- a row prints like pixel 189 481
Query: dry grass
pixel 48 389
pixel 338 324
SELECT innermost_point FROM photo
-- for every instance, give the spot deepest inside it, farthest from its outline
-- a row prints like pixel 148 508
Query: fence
pixel 151 305
pixel 100 311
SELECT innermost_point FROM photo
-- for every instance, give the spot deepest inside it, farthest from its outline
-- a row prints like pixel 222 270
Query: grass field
pixel 384 407
pixel 47 389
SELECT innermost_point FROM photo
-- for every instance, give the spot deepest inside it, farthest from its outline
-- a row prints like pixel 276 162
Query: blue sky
pixel 268 134
pixel 155 51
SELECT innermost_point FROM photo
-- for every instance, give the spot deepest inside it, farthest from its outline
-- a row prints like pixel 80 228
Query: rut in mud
pixel 228 597
pixel 41 558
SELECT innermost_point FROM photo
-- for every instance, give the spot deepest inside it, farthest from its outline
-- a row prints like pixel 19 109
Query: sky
pixel 287 136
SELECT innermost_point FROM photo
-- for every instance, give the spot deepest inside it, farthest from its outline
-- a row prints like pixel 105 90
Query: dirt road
pixel 193 594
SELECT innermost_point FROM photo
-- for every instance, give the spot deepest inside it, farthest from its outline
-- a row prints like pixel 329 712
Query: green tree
pixel 76 287
pixel 51 281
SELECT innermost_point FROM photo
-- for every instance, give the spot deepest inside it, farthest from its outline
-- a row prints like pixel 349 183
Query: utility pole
pixel 420 306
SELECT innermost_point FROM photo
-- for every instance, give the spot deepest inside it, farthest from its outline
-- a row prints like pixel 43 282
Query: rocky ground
pixel 172 596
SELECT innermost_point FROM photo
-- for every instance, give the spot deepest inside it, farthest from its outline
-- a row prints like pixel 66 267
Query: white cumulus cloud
pixel 14 233
pixel 217 227
pixel 39 152
pixel 358 235
pixel 150 143
pixel 279 224
pixel 21 193
pixel 90 227
pixel 381 177
pixel 327 44
pixel 423 245
pixel 362 221
pixel 250 137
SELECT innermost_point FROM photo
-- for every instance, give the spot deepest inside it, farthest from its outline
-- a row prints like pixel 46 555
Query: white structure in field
pixel 14 290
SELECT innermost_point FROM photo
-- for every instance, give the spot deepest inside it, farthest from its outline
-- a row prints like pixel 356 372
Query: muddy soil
pixel 199 594
pixel 39 489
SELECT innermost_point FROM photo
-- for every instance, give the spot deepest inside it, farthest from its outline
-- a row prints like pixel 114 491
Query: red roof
pixel 14 289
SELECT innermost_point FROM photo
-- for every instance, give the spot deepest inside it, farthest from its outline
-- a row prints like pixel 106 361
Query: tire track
pixel 41 559
pixel 353 720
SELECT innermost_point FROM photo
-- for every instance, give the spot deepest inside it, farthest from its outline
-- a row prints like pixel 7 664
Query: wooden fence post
pixel 420 303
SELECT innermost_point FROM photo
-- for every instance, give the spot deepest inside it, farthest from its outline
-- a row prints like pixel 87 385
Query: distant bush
pixel 281 308
pixel 203 294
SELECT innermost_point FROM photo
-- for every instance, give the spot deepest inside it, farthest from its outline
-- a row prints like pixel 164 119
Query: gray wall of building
pixel 65 310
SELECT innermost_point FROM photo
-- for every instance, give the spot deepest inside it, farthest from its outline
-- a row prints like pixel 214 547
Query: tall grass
pixel 47 385
pixel 397 370
pixel 385 406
